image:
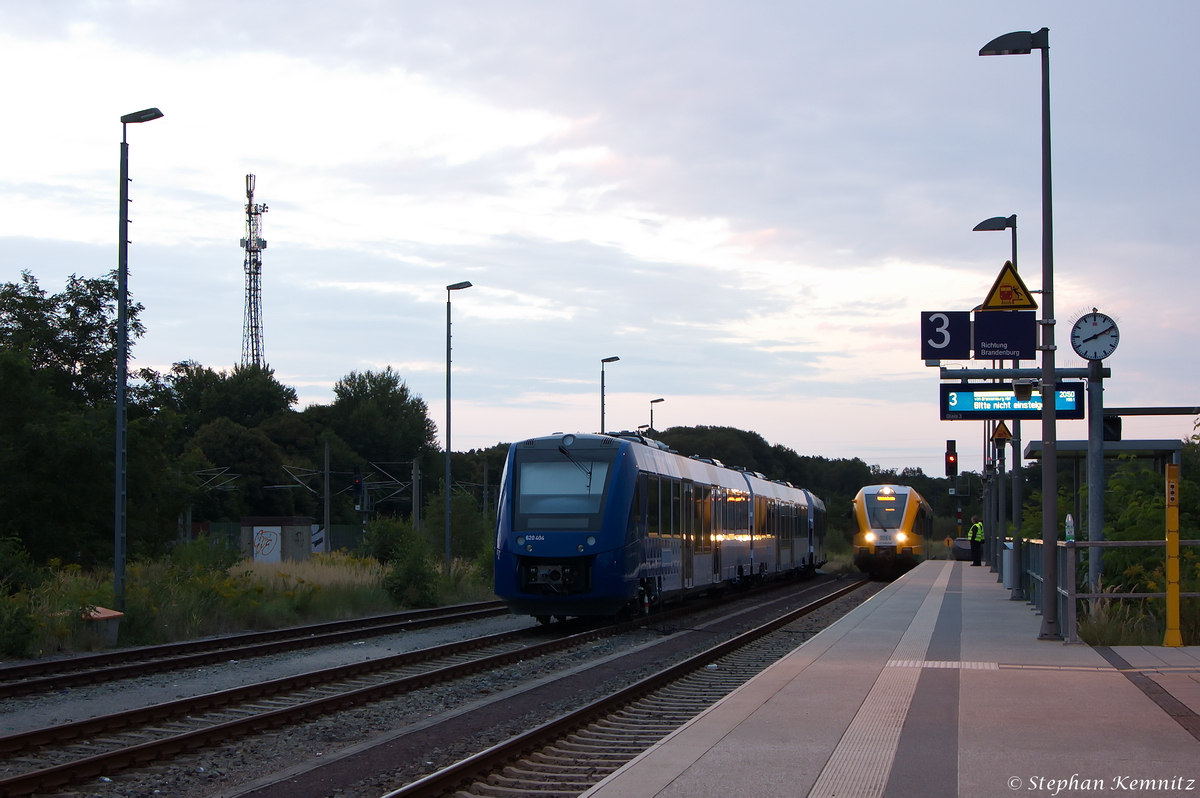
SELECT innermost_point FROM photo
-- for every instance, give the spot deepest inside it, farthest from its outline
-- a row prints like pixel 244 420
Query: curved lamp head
pixel 997 223
pixel 656 401
pixel 459 286
pixel 141 116
pixel 609 359
pixel 1021 42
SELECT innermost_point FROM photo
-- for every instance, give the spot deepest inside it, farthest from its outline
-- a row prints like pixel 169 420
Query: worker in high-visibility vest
pixel 975 535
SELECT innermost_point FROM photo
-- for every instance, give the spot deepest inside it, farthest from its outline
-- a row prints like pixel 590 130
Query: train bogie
pixel 606 524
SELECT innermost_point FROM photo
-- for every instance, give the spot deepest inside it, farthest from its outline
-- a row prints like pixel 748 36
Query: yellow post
pixel 1172 637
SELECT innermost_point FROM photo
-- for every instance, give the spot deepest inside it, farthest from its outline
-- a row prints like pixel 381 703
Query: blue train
pixel 605 525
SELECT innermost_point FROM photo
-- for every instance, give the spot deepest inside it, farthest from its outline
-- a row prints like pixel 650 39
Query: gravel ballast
pixel 242 767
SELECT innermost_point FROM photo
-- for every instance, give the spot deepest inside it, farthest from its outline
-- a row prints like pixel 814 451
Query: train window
pixel 885 511
pixel 561 491
pixel 652 505
pixel 739 514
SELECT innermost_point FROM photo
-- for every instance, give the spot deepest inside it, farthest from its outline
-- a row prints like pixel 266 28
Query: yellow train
pixel 895 527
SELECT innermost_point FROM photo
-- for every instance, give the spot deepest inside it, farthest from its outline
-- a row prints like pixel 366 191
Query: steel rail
pixel 476 768
pixel 110 666
pixel 104 763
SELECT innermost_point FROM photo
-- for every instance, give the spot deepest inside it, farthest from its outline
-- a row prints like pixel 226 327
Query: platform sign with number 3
pixel 945 335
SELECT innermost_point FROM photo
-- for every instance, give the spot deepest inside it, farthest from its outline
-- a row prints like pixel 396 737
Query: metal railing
pixel 1070 554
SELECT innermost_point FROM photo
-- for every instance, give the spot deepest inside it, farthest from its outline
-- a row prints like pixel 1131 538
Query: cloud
pixel 748 203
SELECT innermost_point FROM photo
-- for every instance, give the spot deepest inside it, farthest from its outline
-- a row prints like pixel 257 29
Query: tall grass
pixel 347 586
pixel 1118 622
pixel 201 591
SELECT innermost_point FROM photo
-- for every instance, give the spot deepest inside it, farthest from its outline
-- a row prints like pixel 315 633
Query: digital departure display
pixel 990 401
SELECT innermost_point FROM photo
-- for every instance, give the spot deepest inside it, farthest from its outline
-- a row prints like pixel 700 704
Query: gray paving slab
pixel 1160 656
pixel 1031 714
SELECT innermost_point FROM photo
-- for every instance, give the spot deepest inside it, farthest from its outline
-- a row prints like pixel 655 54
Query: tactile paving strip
pixel 938 663
pixel 860 764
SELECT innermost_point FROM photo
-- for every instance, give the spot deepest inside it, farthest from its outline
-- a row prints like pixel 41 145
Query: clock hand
pixel 1097 335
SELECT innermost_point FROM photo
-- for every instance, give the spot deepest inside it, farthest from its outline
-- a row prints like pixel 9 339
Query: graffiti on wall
pixel 268 543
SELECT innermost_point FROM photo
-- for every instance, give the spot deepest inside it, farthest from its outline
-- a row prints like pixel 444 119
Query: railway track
pixel 40 676
pixel 65 754
pixel 569 755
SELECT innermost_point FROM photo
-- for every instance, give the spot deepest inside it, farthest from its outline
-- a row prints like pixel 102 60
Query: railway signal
pixel 358 488
pixel 951 459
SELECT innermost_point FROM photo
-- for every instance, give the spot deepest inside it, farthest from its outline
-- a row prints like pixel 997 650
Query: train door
pixel 652 543
pixel 787 534
pixel 670 527
pixel 773 529
pixel 805 525
pixel 718 529
pixel 688 546
pixel 703 519
pixel 793 525
pixel 921 531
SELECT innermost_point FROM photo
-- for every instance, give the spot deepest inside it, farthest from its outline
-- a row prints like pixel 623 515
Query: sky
pixel 749 203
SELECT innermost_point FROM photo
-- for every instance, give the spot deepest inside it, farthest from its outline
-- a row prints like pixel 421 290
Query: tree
pixel 247 396
pixel 378 416
pixel 51 450
pixel 71 336
pixel 258 462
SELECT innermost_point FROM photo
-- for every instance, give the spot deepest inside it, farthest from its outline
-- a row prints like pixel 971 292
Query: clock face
pixel 1095 336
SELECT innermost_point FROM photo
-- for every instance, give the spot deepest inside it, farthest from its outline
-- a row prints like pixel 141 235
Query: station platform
pixel 938 686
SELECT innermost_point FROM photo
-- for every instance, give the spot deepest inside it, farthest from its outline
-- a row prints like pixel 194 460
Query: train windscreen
pixel 885 510
pixel 561 489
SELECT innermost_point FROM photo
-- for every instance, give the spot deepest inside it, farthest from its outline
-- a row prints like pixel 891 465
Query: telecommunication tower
pixel 252 329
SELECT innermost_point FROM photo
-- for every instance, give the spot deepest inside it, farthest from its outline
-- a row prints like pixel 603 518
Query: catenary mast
pixel 253 243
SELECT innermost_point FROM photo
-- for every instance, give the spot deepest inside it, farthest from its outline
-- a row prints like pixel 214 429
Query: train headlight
pixel 591 540
pixel 529 547
pixel 520 540
pixel 579 547
pixel 870 536
pixel 568 440
pixel 901 537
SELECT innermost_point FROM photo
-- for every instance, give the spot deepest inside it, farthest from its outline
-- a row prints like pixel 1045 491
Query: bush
pixel 386 538
pixel 838 541
pixel 472 531
pixel 18 629
pixel 413 580
pixel 17 571
pixel 215 554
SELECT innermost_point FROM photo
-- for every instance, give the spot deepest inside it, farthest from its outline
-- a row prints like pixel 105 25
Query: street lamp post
pixel 119 499
pixel 449 288
pixel 1023 43
pixel 653 402
pixel 602 362
pixel 999 224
